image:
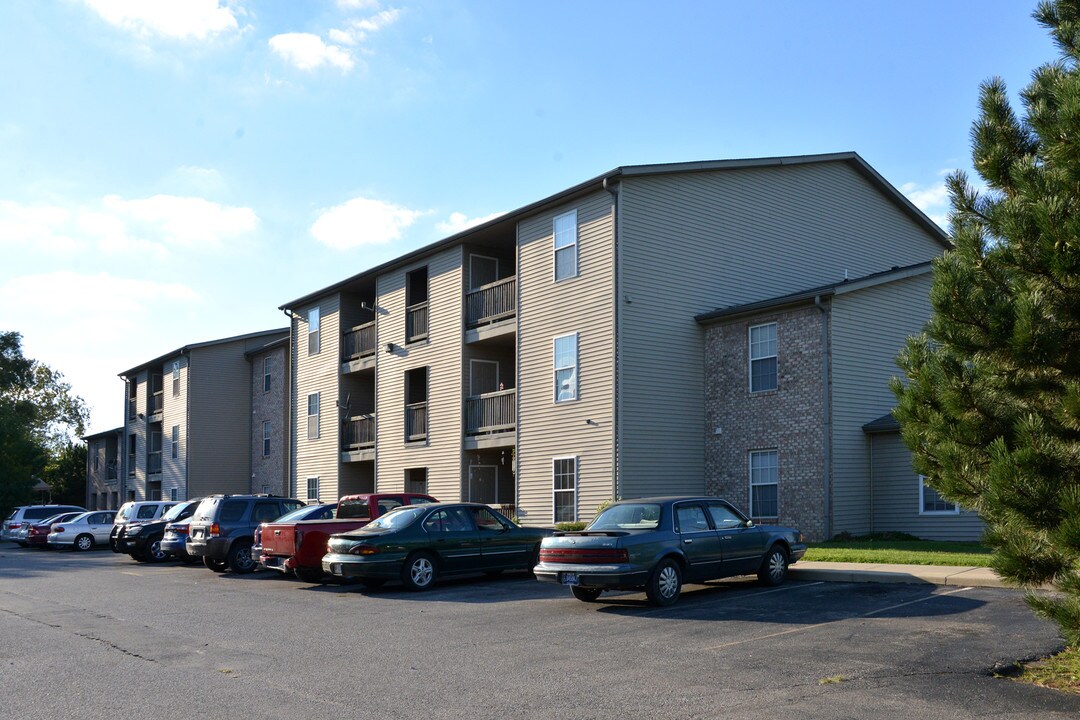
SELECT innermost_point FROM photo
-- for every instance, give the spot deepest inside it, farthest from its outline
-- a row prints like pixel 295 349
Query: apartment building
pixel 797 410
pixel 270 416
pixel 104 470
pixel 188 420
pixel 551 359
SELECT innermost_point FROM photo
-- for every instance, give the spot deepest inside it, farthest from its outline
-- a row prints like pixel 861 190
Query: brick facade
pixel 789 419
pixel 269 473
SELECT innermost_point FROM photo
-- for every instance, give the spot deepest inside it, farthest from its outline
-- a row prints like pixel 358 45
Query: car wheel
pixel 218 566
pixel 419 571
pixel 153 552
pixel 240 560
pixel 84 542
pixel 774 566
pixel 665 583
pixel 309 575
pixel 585 594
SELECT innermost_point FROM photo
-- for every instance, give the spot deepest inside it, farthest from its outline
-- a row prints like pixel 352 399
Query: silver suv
pixel 31 514
pixel 137 512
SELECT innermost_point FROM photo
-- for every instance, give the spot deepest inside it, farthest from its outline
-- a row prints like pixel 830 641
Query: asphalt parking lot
pixel 98 635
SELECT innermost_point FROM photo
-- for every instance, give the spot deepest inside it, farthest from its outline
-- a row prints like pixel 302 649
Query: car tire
pixel 240 560
pixel 153 552
pixel 585 594
pixel 84 542
pixel 774 566
pixel 419 571
pixel 218 566
pixel 308 574
pixel 137 557
pixel 665 583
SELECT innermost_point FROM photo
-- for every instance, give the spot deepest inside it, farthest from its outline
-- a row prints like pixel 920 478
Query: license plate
pixel 568 578
pixel 335 568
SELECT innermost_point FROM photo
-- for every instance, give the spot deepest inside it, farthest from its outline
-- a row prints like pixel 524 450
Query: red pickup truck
pixel 299 547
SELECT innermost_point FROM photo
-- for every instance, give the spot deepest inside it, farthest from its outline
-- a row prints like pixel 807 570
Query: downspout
pixel 122 450
pixel 187 430
pixel 290 400
pixel 825 416
pixel 616 431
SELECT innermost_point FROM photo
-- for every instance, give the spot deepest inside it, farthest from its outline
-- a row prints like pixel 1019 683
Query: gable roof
pixel 884 424
pixel 193 346
pixel 631 171
pixel 803 297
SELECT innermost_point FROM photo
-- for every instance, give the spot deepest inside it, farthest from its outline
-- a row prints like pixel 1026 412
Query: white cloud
pixel 357 30
pixel 932 200
pixel 115 226
pixel 172 19
pixel 358 4
pixel 308 52
pixel 362 221
pixel 458 222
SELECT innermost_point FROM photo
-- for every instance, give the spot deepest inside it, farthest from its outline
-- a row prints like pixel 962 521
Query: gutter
pixel 616 431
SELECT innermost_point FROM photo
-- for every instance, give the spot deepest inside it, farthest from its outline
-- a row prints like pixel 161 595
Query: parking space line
pixel 833 622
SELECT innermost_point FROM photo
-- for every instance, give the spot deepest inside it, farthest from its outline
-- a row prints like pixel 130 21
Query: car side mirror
pixel 749 523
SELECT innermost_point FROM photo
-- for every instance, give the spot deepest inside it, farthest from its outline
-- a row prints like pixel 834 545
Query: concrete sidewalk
pixel 873 572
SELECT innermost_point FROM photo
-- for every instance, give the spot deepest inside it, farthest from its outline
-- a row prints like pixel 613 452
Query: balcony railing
pixel 358 342
pixel 491 302
pixel 416 322
pixel 358 433
pixel 416 421
pixel 491 412
pixel 131 407
pixel 157 402
pixel 153 462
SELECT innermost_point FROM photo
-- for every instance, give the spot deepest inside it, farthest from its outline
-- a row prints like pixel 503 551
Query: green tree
pixel 39 419
pixel 65 472
pixel 991 408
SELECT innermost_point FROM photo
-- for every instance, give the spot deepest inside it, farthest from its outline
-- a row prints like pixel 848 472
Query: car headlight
pixel 133 530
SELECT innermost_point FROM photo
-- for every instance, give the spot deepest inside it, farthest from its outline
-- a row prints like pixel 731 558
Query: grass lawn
pixel 900 551
pixel 1060 672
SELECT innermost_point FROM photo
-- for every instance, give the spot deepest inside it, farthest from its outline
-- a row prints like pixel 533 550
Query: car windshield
pixel 631 516
pixel 299 513
pixel 396 519
pixel 124 511
pixel 53 518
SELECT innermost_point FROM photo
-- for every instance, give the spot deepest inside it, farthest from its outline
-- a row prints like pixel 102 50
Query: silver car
pixel 83 531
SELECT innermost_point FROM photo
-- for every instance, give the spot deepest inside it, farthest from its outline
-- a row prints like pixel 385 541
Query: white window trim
pixel 555 493
pixel 313 329
pixel 317 415
pixel 555 250
pixel 174 442
pixel 750 359
pixel 939 513
pixel 176 378
pixel 555 368
pixel 752 485
pixel 317 488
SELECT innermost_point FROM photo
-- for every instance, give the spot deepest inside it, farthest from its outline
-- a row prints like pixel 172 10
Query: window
pixel 566 387
pixel 174 494
pixel 565 231
pixel 157 395
pixel 416 305
pixel 146 512
pixel 313 331
pixel 97 460
pixel 763 357
pixel 564 489
pixel 176 377
pixel 132 394
pixel 764 484
pixel 131 454
pixel 691 518
pixel 313 416
pixel 416 404
pixel 232 511
pixel 931 503
pixel 176 441
pixel 724 517
pixel 266 438
pixel 313 488
pixel 416 480
pixel 266 374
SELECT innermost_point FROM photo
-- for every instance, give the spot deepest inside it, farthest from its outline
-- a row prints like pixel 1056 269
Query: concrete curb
pixel 922 574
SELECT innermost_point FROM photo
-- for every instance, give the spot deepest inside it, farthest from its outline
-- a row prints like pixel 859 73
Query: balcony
pixel 131 407
pixel 358 342
pixel 153 463
pixel 491 303
pixel 358 433
pixel 157 402
pixel 416 322
pixel 416 421
pixel 492 412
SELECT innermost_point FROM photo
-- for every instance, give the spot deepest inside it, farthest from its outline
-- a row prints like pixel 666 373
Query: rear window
pixel 354 509
pixel 631 516
pixel 179 512
pixel 38 513
pixel 146 512
pixel 207 509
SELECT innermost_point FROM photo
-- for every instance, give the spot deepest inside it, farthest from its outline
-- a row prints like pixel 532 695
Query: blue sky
pixel 171 171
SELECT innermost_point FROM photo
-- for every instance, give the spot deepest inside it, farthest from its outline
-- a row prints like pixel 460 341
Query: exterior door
pixel 482 270
pixel 743 547
pixel 500 548
pixel 484 484
pixel 455 539
pixel 483 376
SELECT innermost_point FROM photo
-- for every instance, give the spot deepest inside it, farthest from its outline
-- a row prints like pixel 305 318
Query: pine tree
pixel 991 405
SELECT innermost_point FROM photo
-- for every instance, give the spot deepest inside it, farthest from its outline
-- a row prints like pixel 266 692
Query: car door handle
pixel 726 537
pixel 688 541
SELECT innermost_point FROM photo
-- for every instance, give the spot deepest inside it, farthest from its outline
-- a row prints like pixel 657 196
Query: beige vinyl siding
pixel 174 412
pixel 895 491
pixel 692 243
pixel 219 420
pixel 317 373
pixel 441 352
pixel 546 310
pixel 869 327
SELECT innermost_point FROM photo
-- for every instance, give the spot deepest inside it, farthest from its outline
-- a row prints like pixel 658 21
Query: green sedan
pixel 419 543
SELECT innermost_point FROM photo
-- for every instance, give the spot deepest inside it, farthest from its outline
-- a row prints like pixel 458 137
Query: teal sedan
pixel 417 544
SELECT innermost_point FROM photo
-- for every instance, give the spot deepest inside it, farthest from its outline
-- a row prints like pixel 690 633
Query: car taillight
pixel 14 525
pixel 364 550
pixel 215 530
pixel 58 528
pixel 587 556
pixel 258 536
pixel 298 540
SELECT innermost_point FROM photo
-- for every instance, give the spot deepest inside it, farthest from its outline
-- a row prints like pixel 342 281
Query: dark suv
pixel 142 541
pixel 223 527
